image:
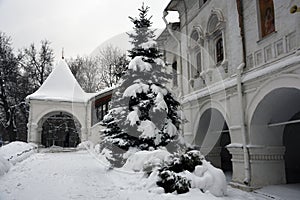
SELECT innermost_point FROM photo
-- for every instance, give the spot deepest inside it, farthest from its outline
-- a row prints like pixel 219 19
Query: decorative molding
pixel 258 153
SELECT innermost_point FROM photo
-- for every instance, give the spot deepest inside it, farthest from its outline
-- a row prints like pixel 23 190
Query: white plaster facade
pixel 249 93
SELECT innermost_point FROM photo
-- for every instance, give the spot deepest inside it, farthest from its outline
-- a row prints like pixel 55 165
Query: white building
pixel 236 68
pixel 61 96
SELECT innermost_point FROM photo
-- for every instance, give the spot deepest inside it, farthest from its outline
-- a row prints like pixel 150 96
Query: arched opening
pixel 219 50
pixel 212 138
pixel 291 139
pixel 226 163
pixel 60 129
pixel 274 128
pixel 174 74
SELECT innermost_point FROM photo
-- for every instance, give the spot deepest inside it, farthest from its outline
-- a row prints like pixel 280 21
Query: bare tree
pixel 86 71
pixel 37 65
pixel 113 63
pixel 76 66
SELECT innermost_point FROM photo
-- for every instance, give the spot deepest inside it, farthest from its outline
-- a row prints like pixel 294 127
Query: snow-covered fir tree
pixel 144 113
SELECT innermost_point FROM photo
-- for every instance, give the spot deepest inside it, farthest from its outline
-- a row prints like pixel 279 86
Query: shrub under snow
pixel 141 160
pixel 191 170
pixel 178 172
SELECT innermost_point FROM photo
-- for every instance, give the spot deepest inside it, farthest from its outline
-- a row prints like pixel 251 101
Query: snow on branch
pixel 133 117
pixel 148 45
pixel 160 62
pixel 170 129
pixel 157 89
pixel 148 129
pixel 160 103
pixel 132 90
pixel 137 63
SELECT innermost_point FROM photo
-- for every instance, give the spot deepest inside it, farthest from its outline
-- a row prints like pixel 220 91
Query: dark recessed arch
pixel 59 128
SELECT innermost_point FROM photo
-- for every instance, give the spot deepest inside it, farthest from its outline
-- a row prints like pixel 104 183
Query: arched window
pixel 216 36
pixel 219 50
pixel 174 74
pixel 213 23
pixel 195 36
pixel 196 45
pixel 198 62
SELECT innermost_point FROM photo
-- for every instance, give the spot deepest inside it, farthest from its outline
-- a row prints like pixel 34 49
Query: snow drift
pixel 13 153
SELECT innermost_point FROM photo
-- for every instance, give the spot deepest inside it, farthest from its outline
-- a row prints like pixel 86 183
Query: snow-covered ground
pixel 79 175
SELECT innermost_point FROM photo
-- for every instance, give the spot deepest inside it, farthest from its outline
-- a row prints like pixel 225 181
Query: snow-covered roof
pixel 61 85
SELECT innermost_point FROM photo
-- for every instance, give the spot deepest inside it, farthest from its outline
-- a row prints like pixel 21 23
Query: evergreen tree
pixel 143 114
pixel 142 34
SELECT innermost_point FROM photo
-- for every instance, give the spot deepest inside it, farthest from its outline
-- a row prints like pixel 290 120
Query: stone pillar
pixel 33 133
pixel 84 134
pixel 238 167
pixel 267 165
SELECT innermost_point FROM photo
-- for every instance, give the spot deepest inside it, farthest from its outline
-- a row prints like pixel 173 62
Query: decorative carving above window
pixel 195 35
pixel 216 22
pixel 213 23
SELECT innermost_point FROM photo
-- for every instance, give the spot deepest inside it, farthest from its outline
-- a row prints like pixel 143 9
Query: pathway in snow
pixel 57 176
pixel 78 175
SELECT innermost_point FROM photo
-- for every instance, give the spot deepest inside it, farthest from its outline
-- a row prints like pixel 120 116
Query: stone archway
pixel 59 129
pixel 270 135
pixel 291 139
pixel 212 137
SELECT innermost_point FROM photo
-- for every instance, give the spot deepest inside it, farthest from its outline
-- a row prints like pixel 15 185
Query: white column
pixel 84 134
pixel 33 133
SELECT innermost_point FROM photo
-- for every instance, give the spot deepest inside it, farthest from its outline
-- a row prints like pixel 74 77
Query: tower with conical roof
pixel 60 93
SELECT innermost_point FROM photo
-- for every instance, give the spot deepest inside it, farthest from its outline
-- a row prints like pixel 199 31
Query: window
pixel 267 17
pixel 196 45
pixel 219 50
pixel 198 62
pixel 216 38
pixel 174 73
pixel 101 110
pixel 195 36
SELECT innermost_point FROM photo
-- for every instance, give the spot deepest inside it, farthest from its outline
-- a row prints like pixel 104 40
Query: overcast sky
pixel 77 25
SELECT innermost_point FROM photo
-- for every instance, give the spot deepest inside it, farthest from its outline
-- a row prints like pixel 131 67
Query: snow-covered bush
pixel 171 182
pixel 187 161
pixel 211 179
pixel 146 160
pixel 190 170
